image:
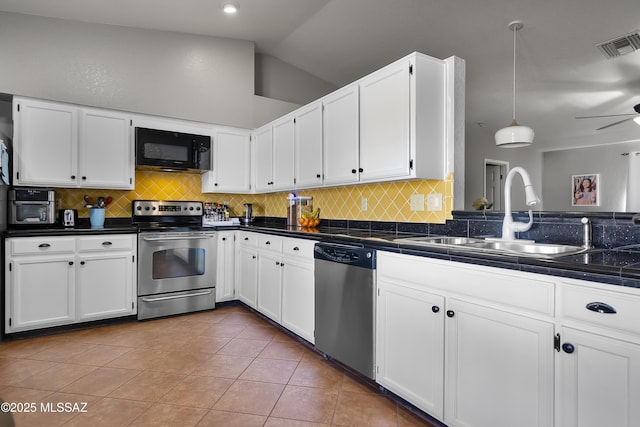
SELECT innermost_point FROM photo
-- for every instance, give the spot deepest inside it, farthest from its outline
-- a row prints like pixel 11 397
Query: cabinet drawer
pixel 248 239
pixel 576 299
pixel 106 242
pixel 298 247
pixel 269 242
pixel 509 288
pixel 41 245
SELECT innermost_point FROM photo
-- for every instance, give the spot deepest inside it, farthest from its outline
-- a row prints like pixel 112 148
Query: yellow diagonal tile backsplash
pixel 385 201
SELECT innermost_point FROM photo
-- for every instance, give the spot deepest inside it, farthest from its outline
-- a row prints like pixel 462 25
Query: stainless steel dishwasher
pixel 345 304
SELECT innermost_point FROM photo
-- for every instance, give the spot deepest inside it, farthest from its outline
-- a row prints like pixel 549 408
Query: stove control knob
pixel 191 208
pixel 139 208
pixel 146 208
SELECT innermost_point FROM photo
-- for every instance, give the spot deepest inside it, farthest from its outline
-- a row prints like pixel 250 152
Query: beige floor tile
pixel 258 332
pixel 137 358
pixel 283 422
pixel 407 418
pixel 269 370
pixel 317 374
pixel 242 318
pixel 62 351
pixel 364 409
pixel 223 366
pixel 206 344
pixel 225 330
pixel 56 377
pixel 197 391
pixel 351 384
pixel 27 347
pixel 306 404
pixel 21 394
pixel 101 382
pixel 216 418
pixel 250 397
pixel 282 350
pixel 243 347
pixel 148 386
pixel 14 371
pixel 168 415
pixel 98 355
pixel 109 412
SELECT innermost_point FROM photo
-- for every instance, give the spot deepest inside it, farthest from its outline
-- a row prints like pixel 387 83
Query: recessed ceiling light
pixel 230 8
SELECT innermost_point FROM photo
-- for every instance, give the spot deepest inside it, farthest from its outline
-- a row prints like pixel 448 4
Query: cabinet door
pixel 283 159
pixel 225 266
pixel 499 370
pixel 105 286
pixel 410 345
pixel 270 285
pixel 105 150
pixel 40 292
pixel 599 381
pixel 232 163
pixel 385 123
pixel 298 297
pixel 45 143
pixel 262 159
pixel 341 136
pixel 308 146
pixel 247 276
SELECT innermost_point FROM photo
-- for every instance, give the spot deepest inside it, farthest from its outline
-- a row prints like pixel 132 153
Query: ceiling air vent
pixel 621 45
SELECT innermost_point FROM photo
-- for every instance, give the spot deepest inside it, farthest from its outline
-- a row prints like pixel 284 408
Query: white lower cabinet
pixel 456 350
pixel 499 367
pixel 598 356
pixel 225 266
pixel 247 268
pixel 410 344
pixel 274 275
pixel 53 281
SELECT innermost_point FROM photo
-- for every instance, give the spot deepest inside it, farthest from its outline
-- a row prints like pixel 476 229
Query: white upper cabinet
pixel 341 136
pixel 384 123
pixel 231 163
pixel 64 145
pixel 283 160
pixel 106 151
pixel 262 158
pixel 402 121
pixel 308 146
pixel 45 143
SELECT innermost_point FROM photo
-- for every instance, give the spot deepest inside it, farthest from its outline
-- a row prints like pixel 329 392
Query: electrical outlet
pixel 434 202
pixel 364 204
pixel 416 201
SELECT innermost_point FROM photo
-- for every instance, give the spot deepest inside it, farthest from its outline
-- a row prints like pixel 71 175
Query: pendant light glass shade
pixel 515 135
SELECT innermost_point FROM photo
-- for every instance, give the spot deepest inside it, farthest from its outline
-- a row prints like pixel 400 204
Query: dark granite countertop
pixel 616 266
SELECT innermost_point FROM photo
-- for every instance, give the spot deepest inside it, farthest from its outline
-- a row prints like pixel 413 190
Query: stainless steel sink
pixel 504 247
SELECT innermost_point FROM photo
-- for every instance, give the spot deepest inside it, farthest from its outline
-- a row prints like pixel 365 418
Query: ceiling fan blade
pixel 607 115
pixel 615 123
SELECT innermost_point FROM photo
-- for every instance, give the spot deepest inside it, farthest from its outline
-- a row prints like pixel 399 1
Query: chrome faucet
pixel 587 233
pixel 509 227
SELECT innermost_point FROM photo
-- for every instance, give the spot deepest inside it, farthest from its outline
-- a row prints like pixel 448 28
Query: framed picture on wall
pixel 584 190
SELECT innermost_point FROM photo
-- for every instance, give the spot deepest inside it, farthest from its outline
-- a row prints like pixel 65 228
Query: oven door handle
pixel 196 294
pixel 163 239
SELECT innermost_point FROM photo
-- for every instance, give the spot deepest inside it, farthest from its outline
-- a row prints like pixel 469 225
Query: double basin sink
pixel 525 248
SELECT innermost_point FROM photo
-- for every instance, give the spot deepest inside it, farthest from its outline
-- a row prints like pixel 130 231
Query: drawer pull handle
pixel 295 248
pixel 568 348
pixel 107 243
pixel 435 308
pixel 601 307
pixel 44 245
pixel 267 242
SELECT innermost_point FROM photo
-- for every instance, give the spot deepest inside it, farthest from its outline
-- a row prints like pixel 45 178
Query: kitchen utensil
pixel 88 200
pixel 108 200
pixel 100 202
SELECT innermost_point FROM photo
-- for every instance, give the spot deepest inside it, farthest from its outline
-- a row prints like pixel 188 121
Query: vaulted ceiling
pixel 560 72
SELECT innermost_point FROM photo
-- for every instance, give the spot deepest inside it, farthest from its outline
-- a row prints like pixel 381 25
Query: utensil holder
pixel 96 217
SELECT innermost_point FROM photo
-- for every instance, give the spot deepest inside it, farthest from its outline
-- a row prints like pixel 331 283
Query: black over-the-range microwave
pixel 172 151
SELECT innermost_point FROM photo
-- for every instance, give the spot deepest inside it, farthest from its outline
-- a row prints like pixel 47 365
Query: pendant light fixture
pixel 515 135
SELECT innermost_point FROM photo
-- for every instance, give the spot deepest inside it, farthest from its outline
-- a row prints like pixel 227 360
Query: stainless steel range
pixel 176 258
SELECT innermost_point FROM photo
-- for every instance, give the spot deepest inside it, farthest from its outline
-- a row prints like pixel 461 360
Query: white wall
pixel 154 72
pixel 605 160
pixel 278 80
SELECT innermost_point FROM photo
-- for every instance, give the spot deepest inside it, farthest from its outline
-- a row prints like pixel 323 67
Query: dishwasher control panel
pixel 344 254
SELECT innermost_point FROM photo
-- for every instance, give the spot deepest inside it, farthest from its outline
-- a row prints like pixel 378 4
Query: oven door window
pixel 180 262
pixel 177 153
pixel 32 212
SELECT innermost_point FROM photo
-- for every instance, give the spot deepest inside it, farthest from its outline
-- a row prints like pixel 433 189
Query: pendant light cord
pixel 515 30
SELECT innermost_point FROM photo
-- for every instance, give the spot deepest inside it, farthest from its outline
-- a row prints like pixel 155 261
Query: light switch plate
pixel 417 202
pixel 434 202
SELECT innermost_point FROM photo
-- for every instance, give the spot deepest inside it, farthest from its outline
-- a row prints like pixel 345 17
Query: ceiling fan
pixel 636 115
